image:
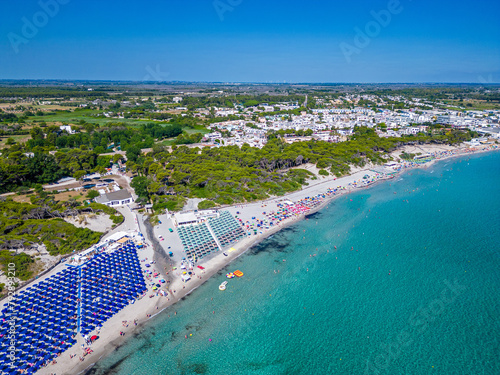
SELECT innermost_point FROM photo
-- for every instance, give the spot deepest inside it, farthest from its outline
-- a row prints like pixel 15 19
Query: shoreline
pixel 213 265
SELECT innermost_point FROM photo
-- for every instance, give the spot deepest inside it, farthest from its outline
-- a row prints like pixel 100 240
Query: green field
pixel 197 129
pixel 472 105
pixel 17 138
pixel 86 115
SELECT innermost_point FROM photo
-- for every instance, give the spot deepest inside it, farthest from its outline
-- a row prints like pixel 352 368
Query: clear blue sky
pixel 252 41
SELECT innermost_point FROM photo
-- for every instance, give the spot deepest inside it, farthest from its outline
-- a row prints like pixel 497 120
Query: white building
pixel 448 120
pixel 116 198
pixel 193 217
pixel 67 128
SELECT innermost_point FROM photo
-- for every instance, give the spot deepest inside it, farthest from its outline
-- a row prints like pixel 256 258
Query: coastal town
pixel 326 117
pixel 333 124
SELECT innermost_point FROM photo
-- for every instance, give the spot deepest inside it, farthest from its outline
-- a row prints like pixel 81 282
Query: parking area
pixel 169 241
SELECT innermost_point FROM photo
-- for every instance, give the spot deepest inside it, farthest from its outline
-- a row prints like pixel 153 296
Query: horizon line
pixel 246 82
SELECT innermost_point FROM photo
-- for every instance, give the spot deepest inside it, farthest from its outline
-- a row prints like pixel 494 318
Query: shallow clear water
pixel 412 288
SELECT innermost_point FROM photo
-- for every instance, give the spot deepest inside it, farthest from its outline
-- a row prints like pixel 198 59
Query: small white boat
pixel 223 286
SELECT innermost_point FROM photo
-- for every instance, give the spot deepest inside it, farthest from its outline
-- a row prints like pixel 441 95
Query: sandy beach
pixel 132 317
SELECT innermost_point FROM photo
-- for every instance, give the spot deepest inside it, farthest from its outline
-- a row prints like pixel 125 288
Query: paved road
pixel 129 224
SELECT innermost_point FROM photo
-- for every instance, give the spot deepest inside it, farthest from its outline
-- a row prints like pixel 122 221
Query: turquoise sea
pixel 412 288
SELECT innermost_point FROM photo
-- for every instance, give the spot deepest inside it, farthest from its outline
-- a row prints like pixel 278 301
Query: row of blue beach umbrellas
pixel 46 314
pixel 112 283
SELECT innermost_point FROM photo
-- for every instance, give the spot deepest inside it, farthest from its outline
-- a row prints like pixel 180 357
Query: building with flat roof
pixel 184 218
pixel 193 217
pixel 116 198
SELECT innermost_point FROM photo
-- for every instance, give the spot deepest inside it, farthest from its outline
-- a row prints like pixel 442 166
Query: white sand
pixel 98 223
pixel 423 149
